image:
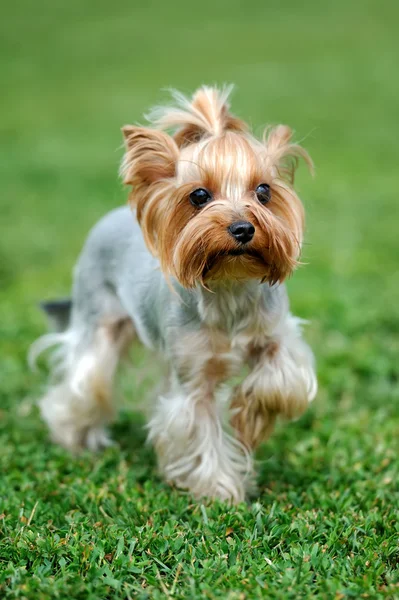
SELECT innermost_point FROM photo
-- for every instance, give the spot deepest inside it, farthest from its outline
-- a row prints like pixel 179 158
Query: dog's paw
pixel 77 439
pixel 97 438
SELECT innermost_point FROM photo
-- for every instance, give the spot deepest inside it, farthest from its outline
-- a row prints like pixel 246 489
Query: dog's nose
pixel 242 231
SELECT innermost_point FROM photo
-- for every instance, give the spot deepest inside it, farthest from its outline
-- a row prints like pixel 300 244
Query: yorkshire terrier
pixel 196 272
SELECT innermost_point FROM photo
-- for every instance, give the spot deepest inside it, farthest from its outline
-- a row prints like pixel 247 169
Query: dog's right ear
pixel 150 156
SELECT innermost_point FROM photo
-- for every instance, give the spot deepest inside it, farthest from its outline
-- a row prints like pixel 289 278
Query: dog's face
pixel 216 207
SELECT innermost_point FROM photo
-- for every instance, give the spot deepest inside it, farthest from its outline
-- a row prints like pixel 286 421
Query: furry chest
pixel 210 356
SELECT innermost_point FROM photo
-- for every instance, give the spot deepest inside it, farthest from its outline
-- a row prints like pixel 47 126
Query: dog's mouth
pixel 234 253
pixel 237 252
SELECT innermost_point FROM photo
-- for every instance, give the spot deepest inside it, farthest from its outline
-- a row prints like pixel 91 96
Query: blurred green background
pixel 72 74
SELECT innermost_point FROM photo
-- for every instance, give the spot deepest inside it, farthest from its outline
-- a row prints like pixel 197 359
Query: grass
pixel 325 524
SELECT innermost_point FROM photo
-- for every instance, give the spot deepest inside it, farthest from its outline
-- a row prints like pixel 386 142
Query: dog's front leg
pixel 282 382
pixel 194 451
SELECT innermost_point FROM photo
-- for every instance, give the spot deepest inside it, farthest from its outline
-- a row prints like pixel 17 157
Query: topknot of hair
pixel 206 114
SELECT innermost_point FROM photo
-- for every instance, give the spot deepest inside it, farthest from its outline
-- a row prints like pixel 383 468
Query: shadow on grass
pixel 292 458
pixel 129 431
pixel 279 475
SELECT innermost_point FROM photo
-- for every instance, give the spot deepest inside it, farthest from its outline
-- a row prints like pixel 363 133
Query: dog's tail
pixel 207 113
pixel 58 313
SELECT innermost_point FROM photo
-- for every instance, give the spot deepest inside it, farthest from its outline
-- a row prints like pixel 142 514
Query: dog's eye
pixel 263 193
pixel 200 197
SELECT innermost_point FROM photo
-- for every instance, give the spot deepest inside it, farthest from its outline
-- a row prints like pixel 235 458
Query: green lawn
pixel 325 524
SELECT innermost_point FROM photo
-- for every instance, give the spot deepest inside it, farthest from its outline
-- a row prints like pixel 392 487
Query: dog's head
pixel 213 202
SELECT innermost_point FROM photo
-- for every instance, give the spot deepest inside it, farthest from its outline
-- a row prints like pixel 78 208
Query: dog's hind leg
pixel 91 331
pixel 79 403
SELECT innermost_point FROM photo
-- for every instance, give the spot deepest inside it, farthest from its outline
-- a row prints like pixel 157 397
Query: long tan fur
pixel 211 148
pixel 207 113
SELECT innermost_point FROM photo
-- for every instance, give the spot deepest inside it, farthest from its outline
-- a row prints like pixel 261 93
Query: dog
pixel 195 268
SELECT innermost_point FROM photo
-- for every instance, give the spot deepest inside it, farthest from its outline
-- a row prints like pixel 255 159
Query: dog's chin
pixel 235 264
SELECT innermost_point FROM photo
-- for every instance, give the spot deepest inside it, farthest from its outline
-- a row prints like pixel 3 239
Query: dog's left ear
pixel 150 156
pixel 283 153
